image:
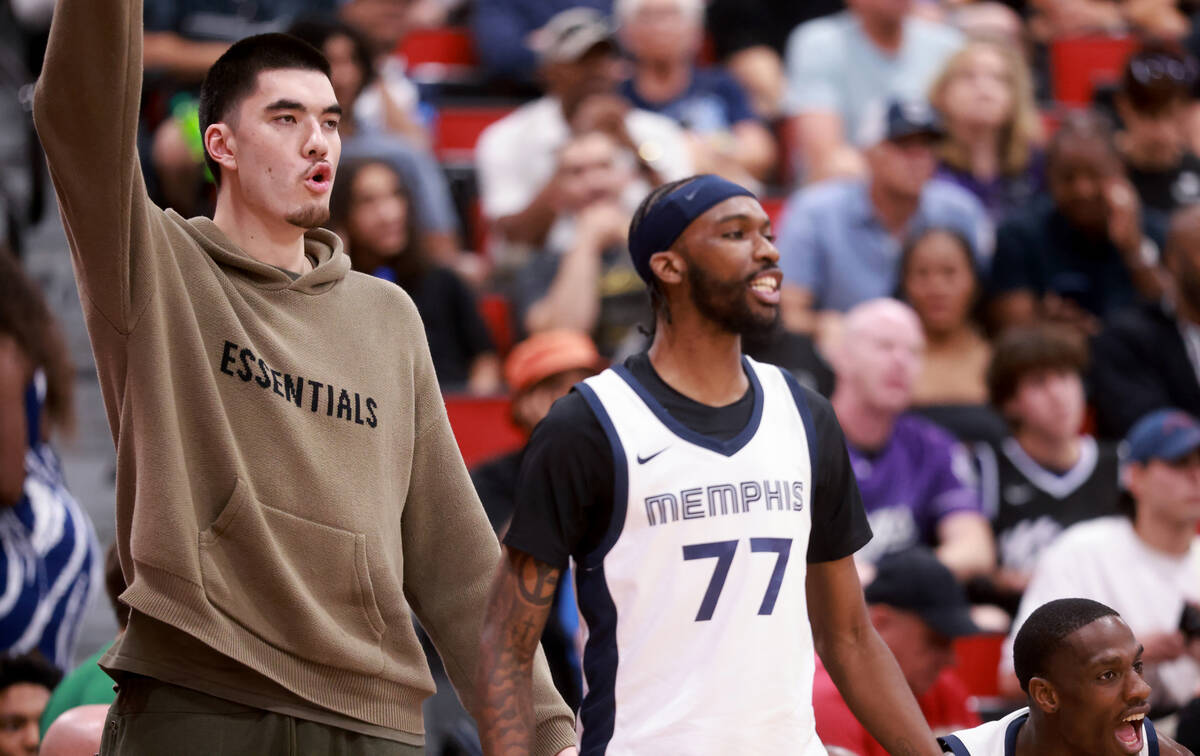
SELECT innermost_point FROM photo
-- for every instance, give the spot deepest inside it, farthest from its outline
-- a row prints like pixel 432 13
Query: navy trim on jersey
pixel 598 713
pixel 620 478
pixel 954 744
pixel 726 448
pixel 1010 735
pixel 806 418
pixel 1151 737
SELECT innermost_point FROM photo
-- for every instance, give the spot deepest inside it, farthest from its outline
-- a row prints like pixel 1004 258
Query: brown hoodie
pixel 289 492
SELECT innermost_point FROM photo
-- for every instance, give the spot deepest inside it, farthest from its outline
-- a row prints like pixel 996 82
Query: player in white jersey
pixel 1081 670
pixel 707 505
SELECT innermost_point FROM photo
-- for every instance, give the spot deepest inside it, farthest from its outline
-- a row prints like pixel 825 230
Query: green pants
pixel 152 718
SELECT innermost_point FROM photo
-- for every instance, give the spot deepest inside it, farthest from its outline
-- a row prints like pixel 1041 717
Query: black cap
pixel 914 580
pixel 898 120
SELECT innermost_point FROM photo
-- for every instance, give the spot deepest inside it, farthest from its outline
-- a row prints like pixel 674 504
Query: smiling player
pixel 709 508
pixel 1081 669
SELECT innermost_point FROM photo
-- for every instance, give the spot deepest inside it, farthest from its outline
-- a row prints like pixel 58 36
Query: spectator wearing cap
pixel 725 137
pixel 918 610
pixel 1154 94
pixel 1148 356
pixel 538 371
pixel 1143 564
pixel 1087 250
pixel 842 67
pixel 592 286
pixel 504 33
pixel 518 156
pixel 840 241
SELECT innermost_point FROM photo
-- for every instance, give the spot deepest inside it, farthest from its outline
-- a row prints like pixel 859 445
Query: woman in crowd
pixel 985 97
pixel 50 554
pixel 372 210
pixel 939 279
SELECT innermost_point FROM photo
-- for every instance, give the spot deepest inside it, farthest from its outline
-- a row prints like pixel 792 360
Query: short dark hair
pixel 658 300
pixel 28 668
pixel 1024 350
pixel 1157 76
pixel 1045 631
pixel 235 74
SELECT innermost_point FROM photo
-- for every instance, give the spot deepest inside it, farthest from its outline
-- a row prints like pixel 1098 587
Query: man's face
pixel 21 706
pixel 598 71
pixel 732 266
pixel 881 359
pixel 285 145
pixel 1156 137
pixel 1168 491
pixel 345 73
pixel 1079 174
pixel 903 166
pixel 921 651
pixel 1049 403
pixel 378 217
pixel 1098 679
pixel 591 171
pixel 662 30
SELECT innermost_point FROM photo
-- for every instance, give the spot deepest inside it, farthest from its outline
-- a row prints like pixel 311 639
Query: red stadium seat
pixel 497 314
pixel 774 208
pixel 977 658
pixel 1079 64
pixel 482 427
pixel 437 55
pixel 459 127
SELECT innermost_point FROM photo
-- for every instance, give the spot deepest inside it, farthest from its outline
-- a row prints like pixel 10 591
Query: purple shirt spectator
pixel 921 475
pixel 1003 194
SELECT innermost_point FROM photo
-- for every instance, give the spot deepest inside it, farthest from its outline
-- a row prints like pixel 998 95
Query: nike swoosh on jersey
pixel 643 460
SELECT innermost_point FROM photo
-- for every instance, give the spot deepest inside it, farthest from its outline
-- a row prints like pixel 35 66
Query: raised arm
pixel 521 600
pixel 86 112
pixel 860 664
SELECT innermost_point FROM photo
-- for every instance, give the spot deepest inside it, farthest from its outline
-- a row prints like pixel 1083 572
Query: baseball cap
pixel 547 353
pixel 916 581
pixel 898 119
pixel 571 33
pixel 1165 434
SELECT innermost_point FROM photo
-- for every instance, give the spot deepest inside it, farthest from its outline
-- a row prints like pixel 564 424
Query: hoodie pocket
pixel 299 585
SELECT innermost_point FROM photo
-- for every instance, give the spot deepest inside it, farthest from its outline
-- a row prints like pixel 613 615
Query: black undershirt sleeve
pixel 839 521
pixel 565 486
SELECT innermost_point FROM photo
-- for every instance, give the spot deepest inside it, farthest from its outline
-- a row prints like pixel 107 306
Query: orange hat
pixel 547 353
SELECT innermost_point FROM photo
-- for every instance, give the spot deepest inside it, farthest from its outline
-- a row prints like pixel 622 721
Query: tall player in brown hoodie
pixel 289 493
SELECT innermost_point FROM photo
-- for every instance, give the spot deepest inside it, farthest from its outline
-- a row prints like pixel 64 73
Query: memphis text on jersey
pixel 725 499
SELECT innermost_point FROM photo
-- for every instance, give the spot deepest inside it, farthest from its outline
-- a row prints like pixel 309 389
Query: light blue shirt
pixel 832 244
pixel 833 66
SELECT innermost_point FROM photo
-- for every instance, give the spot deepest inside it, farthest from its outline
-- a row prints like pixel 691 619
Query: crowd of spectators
pixel 995 288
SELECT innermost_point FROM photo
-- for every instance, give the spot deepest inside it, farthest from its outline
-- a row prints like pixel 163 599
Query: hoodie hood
pixel 321 244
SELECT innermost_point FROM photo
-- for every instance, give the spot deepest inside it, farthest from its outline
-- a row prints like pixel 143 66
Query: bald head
pixel 76 732
pixel 878 356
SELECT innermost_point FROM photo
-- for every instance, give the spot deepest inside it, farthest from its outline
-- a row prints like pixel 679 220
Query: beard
pixel 726 304
pixel 312 216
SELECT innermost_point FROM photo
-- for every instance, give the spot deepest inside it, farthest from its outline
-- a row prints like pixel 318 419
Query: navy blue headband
pixel 672 214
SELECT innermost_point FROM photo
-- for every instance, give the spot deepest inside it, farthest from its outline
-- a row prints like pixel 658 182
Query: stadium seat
pixel 1078 65
pixel 977 658
pixel 497 314
pixel 436 55
pixel 458 128
pixel 482 427
pixel 774 208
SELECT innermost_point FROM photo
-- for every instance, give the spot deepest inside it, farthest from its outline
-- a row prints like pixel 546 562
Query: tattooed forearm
pixel 522 595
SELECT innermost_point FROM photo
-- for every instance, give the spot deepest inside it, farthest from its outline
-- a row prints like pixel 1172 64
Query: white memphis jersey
pixel 999 738
pixel 698 640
